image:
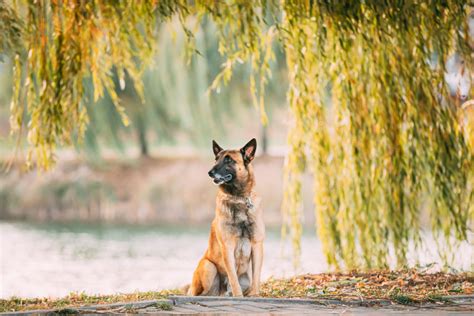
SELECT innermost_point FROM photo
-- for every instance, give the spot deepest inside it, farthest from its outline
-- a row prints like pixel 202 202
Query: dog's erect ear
pixel 248 151
pixel 216 148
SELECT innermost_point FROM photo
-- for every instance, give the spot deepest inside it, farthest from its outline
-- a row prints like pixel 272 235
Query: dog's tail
pixel 185 289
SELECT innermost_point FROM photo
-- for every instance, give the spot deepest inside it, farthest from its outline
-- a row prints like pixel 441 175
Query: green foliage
pixel 176 98
pixel 165 306
pixel 10 28
pixel 363 90
pixel 402 299
pixel 380 142
pixel 66 42
pixel 67 311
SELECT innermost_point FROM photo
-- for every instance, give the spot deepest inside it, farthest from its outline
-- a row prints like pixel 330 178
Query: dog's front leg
pixel 257 259
pixel 228 251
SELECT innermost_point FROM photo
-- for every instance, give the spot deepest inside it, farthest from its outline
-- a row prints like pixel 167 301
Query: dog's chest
pixel 240 222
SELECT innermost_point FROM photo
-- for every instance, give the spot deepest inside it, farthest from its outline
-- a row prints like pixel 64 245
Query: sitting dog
pixel 233 260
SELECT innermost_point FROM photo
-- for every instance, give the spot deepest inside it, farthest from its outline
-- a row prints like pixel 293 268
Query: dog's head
pixel 232 167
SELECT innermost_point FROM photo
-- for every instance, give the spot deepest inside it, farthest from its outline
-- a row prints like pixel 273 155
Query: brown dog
pixel 233 260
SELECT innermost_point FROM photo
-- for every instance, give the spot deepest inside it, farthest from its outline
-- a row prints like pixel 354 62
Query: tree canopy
pixel 366 94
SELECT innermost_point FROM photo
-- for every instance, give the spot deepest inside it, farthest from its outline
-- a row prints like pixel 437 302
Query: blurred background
pixel 130 208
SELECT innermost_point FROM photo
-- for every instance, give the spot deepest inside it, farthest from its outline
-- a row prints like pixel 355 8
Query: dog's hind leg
pixel 205 280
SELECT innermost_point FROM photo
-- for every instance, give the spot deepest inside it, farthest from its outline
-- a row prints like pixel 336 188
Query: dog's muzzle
pixel 219 179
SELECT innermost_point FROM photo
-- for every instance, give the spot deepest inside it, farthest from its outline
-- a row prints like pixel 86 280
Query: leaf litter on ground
pixel 400 286
pixel 417 285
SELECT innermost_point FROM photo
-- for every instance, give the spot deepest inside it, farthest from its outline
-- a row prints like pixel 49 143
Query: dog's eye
pixel 227 159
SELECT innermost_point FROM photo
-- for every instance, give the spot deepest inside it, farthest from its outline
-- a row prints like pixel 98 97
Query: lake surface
pixel 54 260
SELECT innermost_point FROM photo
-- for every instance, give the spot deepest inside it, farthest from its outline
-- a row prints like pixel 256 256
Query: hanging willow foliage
pixel 366 94
pixel 380 143
pixel 10 28
pixel 66 42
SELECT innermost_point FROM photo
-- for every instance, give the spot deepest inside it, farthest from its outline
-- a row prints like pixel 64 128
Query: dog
pixel 233 260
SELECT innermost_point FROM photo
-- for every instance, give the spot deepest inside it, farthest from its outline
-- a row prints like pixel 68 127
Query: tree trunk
pixel 264 139
pixel 141 131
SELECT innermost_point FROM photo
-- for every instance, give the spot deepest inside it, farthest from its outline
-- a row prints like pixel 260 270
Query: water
pixel 54 260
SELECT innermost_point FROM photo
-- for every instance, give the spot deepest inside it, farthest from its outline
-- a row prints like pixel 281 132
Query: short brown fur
pixel 233 261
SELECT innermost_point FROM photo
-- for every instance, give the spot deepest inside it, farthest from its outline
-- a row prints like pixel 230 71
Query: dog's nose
pixel 211 173
pixel 463 97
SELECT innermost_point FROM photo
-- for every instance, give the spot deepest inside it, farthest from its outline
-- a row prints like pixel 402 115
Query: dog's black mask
pixel 224 168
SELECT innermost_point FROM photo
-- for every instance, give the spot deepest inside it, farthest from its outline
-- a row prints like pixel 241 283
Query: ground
pixel 411 285
pixel 393 291
pixel 186 305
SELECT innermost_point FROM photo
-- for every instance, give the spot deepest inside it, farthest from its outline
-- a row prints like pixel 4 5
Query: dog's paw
pixel 238 294
pixel 253 292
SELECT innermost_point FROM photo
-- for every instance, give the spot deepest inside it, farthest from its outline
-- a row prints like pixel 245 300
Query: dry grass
pixel 79 299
